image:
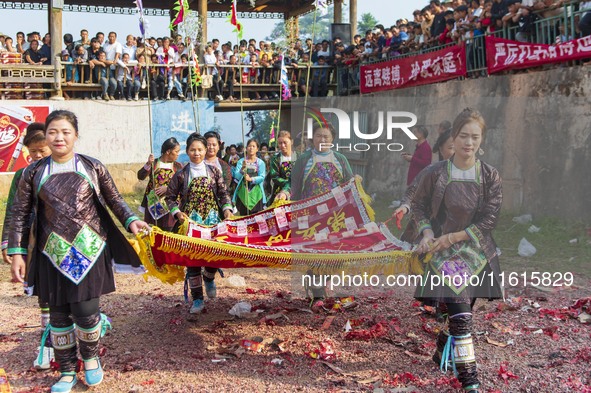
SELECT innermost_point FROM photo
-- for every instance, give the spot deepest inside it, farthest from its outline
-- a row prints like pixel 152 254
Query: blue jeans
pixel 108 85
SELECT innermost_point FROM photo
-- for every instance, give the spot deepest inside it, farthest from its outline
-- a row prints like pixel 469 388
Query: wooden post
pixel 202 11
pixel 55 30
pixel 338 11
pixel 353 18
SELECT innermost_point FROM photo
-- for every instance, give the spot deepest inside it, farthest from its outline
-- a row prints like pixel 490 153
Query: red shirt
pixel 419 161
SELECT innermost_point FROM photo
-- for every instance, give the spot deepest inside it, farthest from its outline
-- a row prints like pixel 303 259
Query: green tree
pixel 367 22
pixel 260 126
pixel 306 23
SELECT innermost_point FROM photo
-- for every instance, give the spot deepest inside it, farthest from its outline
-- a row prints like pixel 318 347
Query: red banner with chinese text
pixel 14 121
pixel 504 54
pixel 333 230
pixel 433 67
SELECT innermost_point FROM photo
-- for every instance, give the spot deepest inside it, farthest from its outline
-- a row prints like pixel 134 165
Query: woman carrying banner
pixel 455 208
pixel 211 157
pixel 38 149
pixel 198 192
pixel 250 173
pixel 280 171
pixel 321 169
pixel 70 265
pixel 316 172
pixel 445 147
pixel 163 169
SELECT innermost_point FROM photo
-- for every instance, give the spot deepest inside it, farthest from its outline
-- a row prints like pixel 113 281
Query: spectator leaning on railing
pixel 437 23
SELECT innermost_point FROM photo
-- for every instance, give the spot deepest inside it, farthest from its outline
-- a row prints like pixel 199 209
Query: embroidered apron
pixel 202 206
pixel 72 244
pixel 323 177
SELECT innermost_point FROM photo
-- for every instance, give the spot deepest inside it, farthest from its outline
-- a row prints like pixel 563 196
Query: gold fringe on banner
pixel 169 274
pixel 207 252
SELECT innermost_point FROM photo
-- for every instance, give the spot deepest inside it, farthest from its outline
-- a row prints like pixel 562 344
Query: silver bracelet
pixel 449 239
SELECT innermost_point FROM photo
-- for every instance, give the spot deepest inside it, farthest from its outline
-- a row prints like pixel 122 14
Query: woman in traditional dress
pixel 198 191
pixel 455 208
pixel 76 240
pixel 280 171
pixel 316 172
pixel 321 169
pixel 212 158
pixel 250 172
pixel 445 147
pixel 161 172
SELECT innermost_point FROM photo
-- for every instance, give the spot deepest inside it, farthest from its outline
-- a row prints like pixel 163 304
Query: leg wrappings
pixel 315 291
pixel 64 347
pixel 209 273
pixel 195 283
pixel 44 315
pixel 61 333
pixel 459 350
pixel 441 341
pixel 88 331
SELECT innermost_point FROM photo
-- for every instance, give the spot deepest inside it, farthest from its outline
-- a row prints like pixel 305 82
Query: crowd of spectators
pixel 124 70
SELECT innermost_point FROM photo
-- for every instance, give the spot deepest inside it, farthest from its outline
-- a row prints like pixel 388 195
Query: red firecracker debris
pixel 376 331
pixel 552 332
pixel 251 291
pixel 505 374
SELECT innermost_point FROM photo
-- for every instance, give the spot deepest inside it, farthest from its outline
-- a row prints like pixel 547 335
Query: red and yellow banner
pixel 328 232
pixel 504 54
pixel 433 67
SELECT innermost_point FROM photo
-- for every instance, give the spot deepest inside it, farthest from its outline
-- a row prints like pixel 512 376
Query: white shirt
pixel 463 175
pixel 210 61
pixel 130 50
pixel 170 53
pixel 112 49
pixel 324 53
pixel 215 163
pixel 197 170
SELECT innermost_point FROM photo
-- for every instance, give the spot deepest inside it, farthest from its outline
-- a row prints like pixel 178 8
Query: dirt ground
pixel 156 346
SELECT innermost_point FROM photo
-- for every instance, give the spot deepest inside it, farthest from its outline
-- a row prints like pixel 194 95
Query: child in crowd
pixel 37 148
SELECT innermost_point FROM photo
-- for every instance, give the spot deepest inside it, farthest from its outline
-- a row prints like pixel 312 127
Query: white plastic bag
pixel 235 281
pixel 526 249
pixel 239 309
pixel 524 219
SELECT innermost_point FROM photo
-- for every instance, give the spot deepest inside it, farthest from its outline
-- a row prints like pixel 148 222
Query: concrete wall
pixel 539 137
pixel 116 133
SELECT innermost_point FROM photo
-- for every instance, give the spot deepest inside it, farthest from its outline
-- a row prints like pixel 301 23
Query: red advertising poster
pixel 13 128
pixel 504 54
pixel 438 66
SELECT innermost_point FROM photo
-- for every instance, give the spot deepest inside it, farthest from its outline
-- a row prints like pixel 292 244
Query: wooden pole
pixel 353 18
pixel 55 30
pixel 338 11
pixel 202 11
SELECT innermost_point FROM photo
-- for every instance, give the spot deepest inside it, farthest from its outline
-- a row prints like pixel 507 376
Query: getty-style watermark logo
pixel 391 121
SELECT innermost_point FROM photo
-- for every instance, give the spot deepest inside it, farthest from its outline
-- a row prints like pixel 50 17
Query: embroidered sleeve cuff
pixel 174 211
pixel 474 234
pixel 4 245
pixel 227 206
pixel 14 251
pixel 129 221
pixel 424 225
